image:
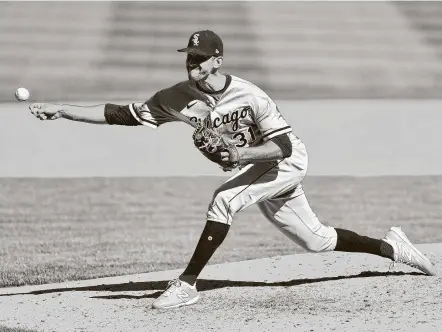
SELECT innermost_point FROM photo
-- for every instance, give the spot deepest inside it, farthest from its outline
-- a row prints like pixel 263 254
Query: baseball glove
pixel 215 146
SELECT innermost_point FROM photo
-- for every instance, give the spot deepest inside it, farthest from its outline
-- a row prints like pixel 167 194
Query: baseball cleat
pixel 177 294
pixel 406 253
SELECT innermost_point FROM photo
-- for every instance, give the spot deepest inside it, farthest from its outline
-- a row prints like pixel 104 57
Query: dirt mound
pixel 302 292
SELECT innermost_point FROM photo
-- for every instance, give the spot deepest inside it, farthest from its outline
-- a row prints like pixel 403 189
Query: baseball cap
pixel 205 42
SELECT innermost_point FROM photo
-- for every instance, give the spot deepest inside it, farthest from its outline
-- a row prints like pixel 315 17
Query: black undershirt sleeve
pixel 119 115
pixel 284 143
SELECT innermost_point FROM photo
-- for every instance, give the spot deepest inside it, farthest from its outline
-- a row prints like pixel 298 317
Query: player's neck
pixel 214 82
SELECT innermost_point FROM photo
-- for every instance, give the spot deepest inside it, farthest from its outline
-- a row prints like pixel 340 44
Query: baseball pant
pixel 277 190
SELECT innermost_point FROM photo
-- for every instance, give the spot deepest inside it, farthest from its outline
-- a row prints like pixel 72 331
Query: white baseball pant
pixel 276 188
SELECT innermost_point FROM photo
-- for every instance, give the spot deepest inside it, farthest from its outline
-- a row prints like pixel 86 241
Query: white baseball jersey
pixel 241 110
pixel 248 114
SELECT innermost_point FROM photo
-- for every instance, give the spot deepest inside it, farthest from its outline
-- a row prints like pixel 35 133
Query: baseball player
pixel 271 159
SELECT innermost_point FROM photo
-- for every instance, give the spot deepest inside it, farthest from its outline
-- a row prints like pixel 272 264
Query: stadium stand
pixel 127 50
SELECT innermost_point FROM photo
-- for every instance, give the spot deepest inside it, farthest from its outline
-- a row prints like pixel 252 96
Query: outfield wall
pixel 355 137
pixel 293 49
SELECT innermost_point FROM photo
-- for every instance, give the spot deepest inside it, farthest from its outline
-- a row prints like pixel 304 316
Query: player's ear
pixel 218 62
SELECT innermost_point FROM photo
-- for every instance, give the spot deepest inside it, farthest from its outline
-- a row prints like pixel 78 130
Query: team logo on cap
pixel 195 39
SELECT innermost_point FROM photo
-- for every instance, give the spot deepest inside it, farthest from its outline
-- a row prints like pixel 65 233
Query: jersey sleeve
pixel 145 116
pixel 157 110
pixel 151 113
pixel 119 115
pixel 268 119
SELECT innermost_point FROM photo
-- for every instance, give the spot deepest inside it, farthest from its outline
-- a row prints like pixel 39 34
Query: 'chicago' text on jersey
pixel 235 117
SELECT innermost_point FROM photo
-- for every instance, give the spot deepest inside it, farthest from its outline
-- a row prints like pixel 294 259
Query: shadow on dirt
pixel 202 285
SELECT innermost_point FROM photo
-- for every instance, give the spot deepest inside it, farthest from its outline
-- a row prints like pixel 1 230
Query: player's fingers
pixel 33 109
pixel 42 116
pixel 36 108
pixel 225 156
pixel 36 113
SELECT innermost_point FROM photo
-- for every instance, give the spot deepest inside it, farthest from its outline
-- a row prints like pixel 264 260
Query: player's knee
pixel 320 244
pixel 224 197
pixel 221 206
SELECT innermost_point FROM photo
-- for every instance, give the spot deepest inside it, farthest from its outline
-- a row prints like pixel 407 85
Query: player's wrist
pixel 234 155
pixel 61 114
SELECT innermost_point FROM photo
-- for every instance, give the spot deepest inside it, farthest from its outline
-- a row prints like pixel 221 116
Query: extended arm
pixel 99 114
pixel 88 114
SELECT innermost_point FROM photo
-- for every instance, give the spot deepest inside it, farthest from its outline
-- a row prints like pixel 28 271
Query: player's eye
pixel 196 59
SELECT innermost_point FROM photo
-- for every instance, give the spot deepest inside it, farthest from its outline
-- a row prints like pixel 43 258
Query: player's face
pixel 199 67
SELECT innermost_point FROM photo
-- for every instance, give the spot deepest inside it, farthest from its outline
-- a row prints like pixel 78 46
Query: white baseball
pixel 22 94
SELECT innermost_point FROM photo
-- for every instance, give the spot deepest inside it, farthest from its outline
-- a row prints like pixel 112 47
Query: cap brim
pixel 194 51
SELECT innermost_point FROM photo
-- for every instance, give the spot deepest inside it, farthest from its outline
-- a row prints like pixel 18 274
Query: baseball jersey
pixel 240 110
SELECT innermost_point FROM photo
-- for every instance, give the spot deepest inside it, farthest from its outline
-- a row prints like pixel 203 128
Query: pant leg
pixel 256 183
pixel 293 216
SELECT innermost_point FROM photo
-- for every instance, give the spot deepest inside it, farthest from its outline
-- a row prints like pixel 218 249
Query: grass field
pixel 53 230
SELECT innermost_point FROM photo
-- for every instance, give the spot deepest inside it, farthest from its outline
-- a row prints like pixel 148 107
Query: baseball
pixel 22 94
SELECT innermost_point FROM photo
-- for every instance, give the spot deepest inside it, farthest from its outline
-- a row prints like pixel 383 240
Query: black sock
pixel 211 238
pixel 351 242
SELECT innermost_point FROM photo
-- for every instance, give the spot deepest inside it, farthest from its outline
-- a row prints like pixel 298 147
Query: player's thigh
pixel 251 185
pixel 294 217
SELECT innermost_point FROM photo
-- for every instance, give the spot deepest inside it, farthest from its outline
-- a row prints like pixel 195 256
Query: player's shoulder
pixel 180 97
pixel 180 93
pixel 248 86
pixel 256 95
pixel 177 88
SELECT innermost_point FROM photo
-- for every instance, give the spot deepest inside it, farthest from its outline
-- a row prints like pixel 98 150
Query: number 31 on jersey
pixel 244 137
